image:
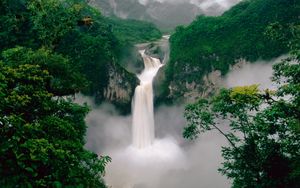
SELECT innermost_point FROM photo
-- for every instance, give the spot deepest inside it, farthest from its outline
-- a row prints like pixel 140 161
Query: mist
pixel 259 72
pixel 224 3
pixel 165 14
pixel 183 163
pixel 207 7
pixel 176 162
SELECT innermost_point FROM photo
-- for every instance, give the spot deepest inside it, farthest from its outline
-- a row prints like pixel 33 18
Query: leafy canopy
pixel 264 126
pixel 42 137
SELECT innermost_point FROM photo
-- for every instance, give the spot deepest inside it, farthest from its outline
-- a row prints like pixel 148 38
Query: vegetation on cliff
pixel 263 131
pixel 49 50
pixel 215 43
pixel 133 31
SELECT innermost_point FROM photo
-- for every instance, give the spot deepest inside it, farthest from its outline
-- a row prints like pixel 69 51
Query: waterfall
pixel 143 115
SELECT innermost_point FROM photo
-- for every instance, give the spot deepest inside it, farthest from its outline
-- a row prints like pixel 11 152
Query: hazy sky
pixel 207 7
pixel 201 3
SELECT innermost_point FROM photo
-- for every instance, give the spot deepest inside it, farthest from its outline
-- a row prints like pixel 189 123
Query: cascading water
pixel 148 158
pixel 143 118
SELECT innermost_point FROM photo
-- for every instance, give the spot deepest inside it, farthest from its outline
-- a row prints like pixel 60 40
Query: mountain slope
pixel 215 43
pixel 92 44
pixel 166 14
pixel 133 31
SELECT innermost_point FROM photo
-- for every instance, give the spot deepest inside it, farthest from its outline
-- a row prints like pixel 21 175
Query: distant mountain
pixel 166 14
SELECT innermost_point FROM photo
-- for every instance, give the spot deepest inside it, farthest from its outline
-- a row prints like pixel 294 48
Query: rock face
pixel 191 91
pixel 122 82
pixel 201 88
pixel 122 79
pixel 120 87
pixel 158 49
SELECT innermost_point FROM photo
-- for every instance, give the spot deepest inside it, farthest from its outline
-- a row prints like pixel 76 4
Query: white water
pixel 143 118
pixel 163 161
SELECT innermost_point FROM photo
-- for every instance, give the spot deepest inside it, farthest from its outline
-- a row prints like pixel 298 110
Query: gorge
pixel 150 93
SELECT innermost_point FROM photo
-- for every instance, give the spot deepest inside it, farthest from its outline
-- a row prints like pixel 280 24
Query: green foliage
pixel 47 54
pixel 215 43
pixel 264 144
pixel 133 31
pixel 51 19
pixel 57 27
pixel 245 95
pixel 42 137
pixel 264 136
pixel 49 51
pixel 65 81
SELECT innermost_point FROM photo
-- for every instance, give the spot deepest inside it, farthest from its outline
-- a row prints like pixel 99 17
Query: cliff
pixel 120 87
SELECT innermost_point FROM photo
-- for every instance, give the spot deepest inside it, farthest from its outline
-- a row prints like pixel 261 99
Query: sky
pixel 200 3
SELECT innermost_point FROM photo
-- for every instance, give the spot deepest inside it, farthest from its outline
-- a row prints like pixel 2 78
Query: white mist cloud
pixel 205 5
pixel 173 162
pixel 145 2
pixel 259 72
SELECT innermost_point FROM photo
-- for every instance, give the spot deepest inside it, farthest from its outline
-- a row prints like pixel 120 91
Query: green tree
pixel 264 134
pixel 66 80
pixel 87 51
pixel 42 136
pixel 52 19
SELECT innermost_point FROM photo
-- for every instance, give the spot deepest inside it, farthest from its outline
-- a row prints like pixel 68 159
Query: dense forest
pixel 49 50
pixel 263 134
pixel 77 32
pixel 264 126
pixel 215 43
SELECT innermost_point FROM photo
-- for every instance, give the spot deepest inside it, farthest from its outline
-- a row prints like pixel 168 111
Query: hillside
pixel 51 50
pixel 216 43
pixel 133 31
pixel 92 44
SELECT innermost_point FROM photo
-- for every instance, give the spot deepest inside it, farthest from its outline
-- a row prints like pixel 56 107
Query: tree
pixel 264 135
pixel 42 132
pixel 65 80
pixel 42 135
pixel 52 19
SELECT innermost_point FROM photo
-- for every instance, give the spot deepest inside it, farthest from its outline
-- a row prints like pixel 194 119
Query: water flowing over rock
pixel 143 118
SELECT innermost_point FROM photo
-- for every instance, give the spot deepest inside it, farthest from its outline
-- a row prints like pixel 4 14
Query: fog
pixel 173 162
pixel 259 72
pixel 165 14
pixel 209 3
pixel 208 7
pixel 200 3
pixel 176 163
